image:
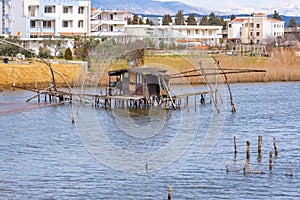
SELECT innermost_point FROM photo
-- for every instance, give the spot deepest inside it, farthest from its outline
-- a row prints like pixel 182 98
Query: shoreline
pixel 282 66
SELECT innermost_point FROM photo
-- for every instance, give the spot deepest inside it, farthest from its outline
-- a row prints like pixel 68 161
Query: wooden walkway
pixel 118 101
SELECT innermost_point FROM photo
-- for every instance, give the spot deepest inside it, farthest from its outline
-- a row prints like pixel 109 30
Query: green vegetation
pixel 68 54
pixel 276 15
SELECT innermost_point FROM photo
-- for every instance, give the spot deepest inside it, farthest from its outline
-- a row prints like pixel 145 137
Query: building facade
pixel 109 22
pixel 46 18
pixel 256 29
pixel 184 35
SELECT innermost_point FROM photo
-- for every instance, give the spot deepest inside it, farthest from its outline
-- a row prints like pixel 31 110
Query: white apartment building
pixel 255 29
pixel 178 34
pixel 108 22
pixel 45 18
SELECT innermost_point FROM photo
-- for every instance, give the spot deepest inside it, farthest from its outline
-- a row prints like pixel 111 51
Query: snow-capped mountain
pixel 155 7
pixel 149 6
pixel 292 10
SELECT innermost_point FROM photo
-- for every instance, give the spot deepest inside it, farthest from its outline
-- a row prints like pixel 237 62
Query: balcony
pixel 7 30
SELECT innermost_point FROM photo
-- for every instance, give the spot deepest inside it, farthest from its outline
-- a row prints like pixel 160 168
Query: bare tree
pixel 57 45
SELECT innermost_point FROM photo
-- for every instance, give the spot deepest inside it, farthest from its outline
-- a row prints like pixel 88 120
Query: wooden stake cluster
pixel 259 148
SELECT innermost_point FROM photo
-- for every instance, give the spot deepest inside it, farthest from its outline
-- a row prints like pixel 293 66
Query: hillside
pixel 157 8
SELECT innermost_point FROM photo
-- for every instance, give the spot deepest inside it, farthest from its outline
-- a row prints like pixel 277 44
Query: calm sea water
pixel 44 156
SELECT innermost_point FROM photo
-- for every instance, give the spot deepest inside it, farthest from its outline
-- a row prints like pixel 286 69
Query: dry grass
pixel 36 73
pixel 283 65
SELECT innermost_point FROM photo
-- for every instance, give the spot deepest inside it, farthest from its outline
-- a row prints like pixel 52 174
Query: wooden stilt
pixel 235 150
pixel 39 96
pixel 270 161
pixel 170 193
pixel 259 147
pixel 275 147
pixel 248 151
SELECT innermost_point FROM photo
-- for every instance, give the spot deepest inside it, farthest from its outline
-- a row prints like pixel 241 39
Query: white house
pixel 255 29
pixel 109 22
pixel 178 34
pixel 39 18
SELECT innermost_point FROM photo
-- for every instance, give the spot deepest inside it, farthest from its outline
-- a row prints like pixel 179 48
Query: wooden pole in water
pixel 270 161
pixel 259 146
pixel 170 193
pixel 39 96
pixel 147 166
pixel 248 151
pixel 275 147
pixel 195 103
pixel 234 142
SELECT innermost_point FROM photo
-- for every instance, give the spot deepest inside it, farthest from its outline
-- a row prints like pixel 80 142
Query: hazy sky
pixel 229 4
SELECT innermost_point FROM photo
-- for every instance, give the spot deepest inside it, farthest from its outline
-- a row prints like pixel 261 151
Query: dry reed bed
pixel 28 75
pixel 283 65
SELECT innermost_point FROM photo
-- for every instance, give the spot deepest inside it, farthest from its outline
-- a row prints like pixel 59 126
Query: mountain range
pixel 154 7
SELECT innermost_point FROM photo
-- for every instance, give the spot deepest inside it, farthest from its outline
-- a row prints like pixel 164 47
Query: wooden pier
pixel 118 101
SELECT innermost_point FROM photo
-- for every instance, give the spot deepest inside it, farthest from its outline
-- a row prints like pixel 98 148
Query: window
pixel 46 24
pixel 229 25
pixel 188 32
pixel 210 33
pixel 32 24
pixel 196 32
pixel 68 9
pixel 257 33
pixel 80 24
pixel 111 16
pixel 257 41
pixel 111 28
pixel 139 78
pixel 31 10
pixel 67 24
pixel 257 25
pixel 251 33
pixel 49 9
pixel 80 10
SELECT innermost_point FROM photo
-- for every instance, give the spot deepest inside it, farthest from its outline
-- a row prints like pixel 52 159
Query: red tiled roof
pixel 239 19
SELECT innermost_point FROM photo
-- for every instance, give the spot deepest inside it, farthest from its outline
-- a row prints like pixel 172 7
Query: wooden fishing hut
pixel 140 83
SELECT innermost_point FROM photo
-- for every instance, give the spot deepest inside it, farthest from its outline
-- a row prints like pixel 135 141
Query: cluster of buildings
pixel 37 19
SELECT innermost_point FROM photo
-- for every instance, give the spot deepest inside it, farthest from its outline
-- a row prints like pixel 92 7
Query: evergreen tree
pixel 222 22
pixel 276 15
pixel 135 19
pixel 292 23
pixel 129 21
pixel 213 20
pixel 232 17
pixel 141 22
pixel 68 54
pixel 167 19
pixel 204 21
pixel 179 18
pixel 149 22
pixel 191 19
